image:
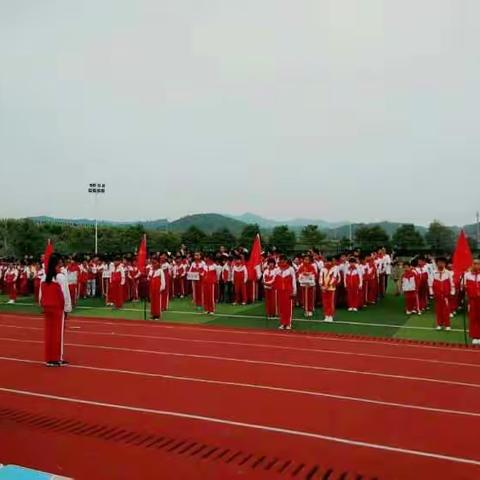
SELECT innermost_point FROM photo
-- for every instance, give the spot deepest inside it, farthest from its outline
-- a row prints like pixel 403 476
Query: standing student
pixel 115 287
pixel 307 274
pixel 423 276
pixel 209 285
pixel 441 288
pixel 269 277
pixel 157 285
pixel 10 279
pixel 240 278
pixel 286 287
pixel 353 285
pixel 410 289
pixel 167 270
pixel 328 279
pixel 56 303
pixel 227 278
pixel 195 276
pixel 472 287
pixel 73 271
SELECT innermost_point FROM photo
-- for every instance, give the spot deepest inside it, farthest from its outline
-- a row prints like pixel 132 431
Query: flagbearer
pixel 56 303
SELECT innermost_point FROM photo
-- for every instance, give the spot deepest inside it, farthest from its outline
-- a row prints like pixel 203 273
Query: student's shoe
pixel 64 363
pixel 448 328
pixel 234 304
pixel 288 327
pixel 53 364
pixel 439 327
pixel 243 303
pixel 328 319
pixel 476 341
pixel 354 309
pixel 11 301
pixel 452 315
pixel 419 313
pixel 281 327
pixel 350 309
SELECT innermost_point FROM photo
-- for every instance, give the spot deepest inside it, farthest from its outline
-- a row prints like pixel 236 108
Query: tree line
pixel 19 238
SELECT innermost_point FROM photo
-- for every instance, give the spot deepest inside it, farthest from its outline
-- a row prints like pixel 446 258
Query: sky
pixel 358 110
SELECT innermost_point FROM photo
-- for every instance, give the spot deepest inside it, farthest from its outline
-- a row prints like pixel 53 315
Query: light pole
pixel 96 189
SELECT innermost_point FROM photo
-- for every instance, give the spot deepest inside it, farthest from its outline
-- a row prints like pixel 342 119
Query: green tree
pixel 283 238
pixel 407 237
pixel 194 238
pixel 311 236
pixel 222 237
pixel 371 237
pixel 248 234
pixel 27 239
pixel 439 237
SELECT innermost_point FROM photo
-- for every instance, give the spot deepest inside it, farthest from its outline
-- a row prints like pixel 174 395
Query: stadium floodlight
pixel 96 189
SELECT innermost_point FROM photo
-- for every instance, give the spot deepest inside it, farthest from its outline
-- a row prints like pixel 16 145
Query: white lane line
pixel 252 426
pixel 274 334
pixel 257 345
pixel 259 317
pixel 257 387
pixel 257 362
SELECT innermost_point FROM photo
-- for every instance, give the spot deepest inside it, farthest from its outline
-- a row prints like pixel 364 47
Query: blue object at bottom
pixel 12 472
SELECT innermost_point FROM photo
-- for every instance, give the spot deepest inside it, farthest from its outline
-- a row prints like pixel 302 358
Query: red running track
pixel 144 400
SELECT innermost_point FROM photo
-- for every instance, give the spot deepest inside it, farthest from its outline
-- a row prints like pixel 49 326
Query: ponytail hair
pixel 52 268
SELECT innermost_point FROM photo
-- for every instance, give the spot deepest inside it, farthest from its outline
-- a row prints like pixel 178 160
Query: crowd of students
pixel 310 281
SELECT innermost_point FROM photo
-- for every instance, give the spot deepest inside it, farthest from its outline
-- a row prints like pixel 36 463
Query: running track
pixel 144 400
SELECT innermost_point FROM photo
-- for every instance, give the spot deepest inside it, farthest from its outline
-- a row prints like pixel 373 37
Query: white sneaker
pixel 476 341
pixel 328 319
pixel 11 301
pixel 350 309
pixel 281 327
pixel 452 315
pixel 439 327
pixel 288 327
pixel 419 313
pixel 448 328
pixel 354 309
pixel 409 313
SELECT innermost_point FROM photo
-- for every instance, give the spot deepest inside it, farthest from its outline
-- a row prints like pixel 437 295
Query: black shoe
pixel 53 364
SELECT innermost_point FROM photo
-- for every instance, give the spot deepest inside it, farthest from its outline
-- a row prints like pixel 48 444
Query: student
pixel 208 285
pixel 240 278
pixel 117 281
pixel 441 288
pixel 410 288
pixel 329 279
pixel 227 279
pixel 353 285
pixel 10 279
pixel 269 277
pixel 307 274
pixel 167 269
pixel 195 275
pixel 157 285
pixel 56 303
pixel 423 275
pixel 472 287
pixel 286 287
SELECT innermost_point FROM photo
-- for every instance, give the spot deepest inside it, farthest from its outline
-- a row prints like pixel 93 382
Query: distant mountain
pixel 208 222
pixel 389 227
pixel 160 224
pixel 294 223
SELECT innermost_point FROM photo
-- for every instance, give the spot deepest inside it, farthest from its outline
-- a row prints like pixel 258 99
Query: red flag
pixel 462 257
pixel 142 254
pixel 47 254
pixel 255 259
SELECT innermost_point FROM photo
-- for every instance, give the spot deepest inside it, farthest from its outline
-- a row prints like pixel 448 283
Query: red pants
pixel 353 297
pixel 285 307
pixel 251 291
pixel 474 317
pixel 165 299
pixel 442 311
pixel 155 304
pixel 328 300
pixel 209 297
pixel 134 289
pixel 12 291
pixel 372 290
pixel 411 301
pixel 197 293
pixel 54 322
pixel 423 296
pixel 72 287
pixel 270 302
pixel 180 286
pixel 240 292
pixel 307 298
pixel 36 290
pixel 115 293
pixel 83 289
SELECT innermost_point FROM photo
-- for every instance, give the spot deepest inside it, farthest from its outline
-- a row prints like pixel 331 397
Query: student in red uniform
pixel 10 278
pixel 55 302
pixel 371 281
pixel 286 287
pixel 240 278
pixel 306 275
pixel 353 285
pixel 73 271
pixel 195 275
pixel 209 283
pixel 166 267
pixel 117 281
pixel 269 277
pixel 422 272
pixel 156 286
pixel 329 278
pixel 472 287
pixel 442 288
pixel 83 280
pixel 410 288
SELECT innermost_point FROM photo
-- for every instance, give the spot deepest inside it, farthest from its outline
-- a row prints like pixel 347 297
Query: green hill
pixel 208 222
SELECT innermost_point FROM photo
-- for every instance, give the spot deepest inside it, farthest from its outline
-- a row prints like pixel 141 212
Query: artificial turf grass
pixel 385 319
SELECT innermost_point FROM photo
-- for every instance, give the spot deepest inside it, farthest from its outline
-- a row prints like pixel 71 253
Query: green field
pixel 386 319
